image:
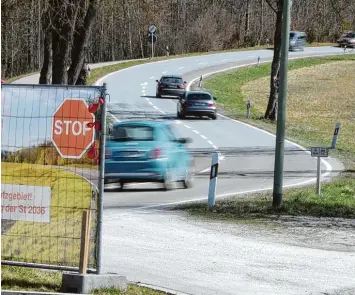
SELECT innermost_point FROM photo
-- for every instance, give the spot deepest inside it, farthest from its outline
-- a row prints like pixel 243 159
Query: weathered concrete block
pixel 85 283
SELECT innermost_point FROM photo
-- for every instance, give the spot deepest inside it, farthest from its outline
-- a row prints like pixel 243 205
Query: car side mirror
pixel 157 81
pixel 215 98
pixel 185 82
pixel 184 140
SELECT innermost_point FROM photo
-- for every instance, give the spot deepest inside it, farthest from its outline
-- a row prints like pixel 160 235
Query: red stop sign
pixel 70 133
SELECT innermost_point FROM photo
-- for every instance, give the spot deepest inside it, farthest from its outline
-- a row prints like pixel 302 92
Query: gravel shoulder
pixel 311 256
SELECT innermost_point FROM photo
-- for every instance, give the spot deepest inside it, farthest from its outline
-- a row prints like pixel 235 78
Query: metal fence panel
pixel 44 188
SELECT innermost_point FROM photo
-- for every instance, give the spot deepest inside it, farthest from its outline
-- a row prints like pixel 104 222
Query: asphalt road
pixel 132 94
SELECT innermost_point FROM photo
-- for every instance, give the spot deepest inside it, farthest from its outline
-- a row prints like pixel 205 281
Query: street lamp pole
pixel 281 110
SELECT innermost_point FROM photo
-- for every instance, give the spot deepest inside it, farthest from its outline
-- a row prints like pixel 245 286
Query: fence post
pixel 85 241
pixel 101 184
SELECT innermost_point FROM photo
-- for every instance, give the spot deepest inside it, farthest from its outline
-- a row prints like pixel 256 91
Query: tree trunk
pixel 271 111
pixel 80 43
pixel 63 23
pixel 46 71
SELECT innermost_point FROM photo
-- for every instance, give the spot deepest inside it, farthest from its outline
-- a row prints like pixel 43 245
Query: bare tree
pixel 119 29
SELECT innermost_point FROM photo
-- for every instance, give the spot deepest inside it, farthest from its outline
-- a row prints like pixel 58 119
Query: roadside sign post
pixel 213 180
pixel 335 135
pixel 248 108
pixel 200 82
pixel 319 152
pixel 152 29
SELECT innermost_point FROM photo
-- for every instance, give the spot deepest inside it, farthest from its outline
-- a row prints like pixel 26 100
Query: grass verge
pixel 320 94
pixel 314 94
pixel 338 200
pixel 57 242
pixel 19 278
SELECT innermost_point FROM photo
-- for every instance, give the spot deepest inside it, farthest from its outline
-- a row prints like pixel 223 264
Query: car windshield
pixel 132 133
pixel 199 96
pixel 169 80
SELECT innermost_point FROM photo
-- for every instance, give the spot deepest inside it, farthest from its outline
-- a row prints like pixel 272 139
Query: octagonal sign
pixel 70 134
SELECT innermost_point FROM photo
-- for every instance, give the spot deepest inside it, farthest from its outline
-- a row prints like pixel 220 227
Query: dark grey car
pixel 170 85
pixel 198 104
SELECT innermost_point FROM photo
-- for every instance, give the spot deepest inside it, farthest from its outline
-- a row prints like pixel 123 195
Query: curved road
pixel 132 96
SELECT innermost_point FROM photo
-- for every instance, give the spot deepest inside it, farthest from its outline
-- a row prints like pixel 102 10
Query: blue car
pixel 147 151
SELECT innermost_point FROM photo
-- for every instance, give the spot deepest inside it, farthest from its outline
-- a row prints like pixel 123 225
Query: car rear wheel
pixel 168 180
pixel 122 184
pixel 214 117
pixel 179 115
pixel 158 95
pixel 189 177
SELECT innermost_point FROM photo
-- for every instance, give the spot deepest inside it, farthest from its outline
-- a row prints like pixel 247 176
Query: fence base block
pixel 85 283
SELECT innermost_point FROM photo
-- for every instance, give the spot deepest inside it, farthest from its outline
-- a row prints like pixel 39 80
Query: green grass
pixel 233 89
pixel 227 87
pixel 29 279
pixel 338 200
pixel 57 242
pixel 320 94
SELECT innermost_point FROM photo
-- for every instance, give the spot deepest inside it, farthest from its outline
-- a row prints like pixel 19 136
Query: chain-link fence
pixel 49 148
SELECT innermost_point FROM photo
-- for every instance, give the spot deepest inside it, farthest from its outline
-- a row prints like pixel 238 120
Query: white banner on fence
pixel 25 203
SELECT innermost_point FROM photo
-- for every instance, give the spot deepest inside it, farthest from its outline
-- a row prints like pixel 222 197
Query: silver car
pixel 347 39
pixel 197 104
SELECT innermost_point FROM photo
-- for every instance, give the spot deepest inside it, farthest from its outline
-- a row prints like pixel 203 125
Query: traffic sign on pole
pixel 152 29
pixel 152 38
pixel 319 152
pixel 71 134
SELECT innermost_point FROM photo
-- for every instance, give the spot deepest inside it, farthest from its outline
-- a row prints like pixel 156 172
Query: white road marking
pixel 162 112
pixel 196 131
pixel 204 137
pixel 210 142
pixel 181 68
pixel 177 122
pixel 187 126
pixel 152 77
pixel 164 72
pixel 150 103
pixel 203 63
pixel 155 107
pixel 145 83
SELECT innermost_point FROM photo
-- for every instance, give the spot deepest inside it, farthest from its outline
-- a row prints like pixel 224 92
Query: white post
pixel 318 177
pixel 335 135
pixel 152 46
pixel 213 180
